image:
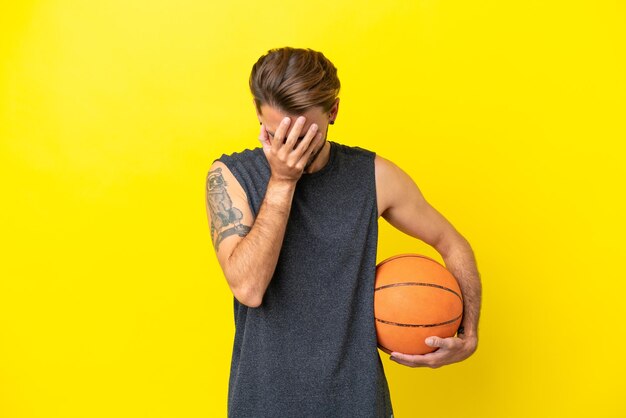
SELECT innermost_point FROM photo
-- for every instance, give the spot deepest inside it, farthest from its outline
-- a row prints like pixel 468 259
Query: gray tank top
pixel 310 349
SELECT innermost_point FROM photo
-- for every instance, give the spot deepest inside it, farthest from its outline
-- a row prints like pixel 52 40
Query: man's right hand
pixel 288 157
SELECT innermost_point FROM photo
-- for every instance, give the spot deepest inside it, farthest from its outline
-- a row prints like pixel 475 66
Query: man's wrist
pixel 279 194
pixel 282 183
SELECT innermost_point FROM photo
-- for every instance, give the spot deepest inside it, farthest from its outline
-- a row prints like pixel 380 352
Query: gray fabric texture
pixel 310 349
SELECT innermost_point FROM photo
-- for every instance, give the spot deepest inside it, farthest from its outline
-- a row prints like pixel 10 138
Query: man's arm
pixel 247 248
pixel 402 204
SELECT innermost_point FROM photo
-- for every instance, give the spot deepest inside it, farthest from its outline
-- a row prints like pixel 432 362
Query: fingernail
pixel 286 120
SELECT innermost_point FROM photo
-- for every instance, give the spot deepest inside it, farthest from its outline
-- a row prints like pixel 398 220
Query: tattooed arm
pixel 248 249
pixel 401 203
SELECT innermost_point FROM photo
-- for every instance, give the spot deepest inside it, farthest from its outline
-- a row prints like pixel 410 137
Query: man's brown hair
pixel 294 80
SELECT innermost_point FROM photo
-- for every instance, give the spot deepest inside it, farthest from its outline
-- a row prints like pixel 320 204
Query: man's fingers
pixel 302 147
pixel 435 342
pixel 303 150
pixel 313 148
pixel 411 360
pixel 295 133
pixel 406 363
pixel 433 360
pixel 446 343
pixel 264 138
pixel 277 143
pixel 437 358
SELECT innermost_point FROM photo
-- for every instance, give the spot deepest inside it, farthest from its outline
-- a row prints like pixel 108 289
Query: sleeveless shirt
pixel 309 349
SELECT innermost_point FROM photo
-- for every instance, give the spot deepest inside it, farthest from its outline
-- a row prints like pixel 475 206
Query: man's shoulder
pixel 245 160
pixel 248 166
pixel 243 155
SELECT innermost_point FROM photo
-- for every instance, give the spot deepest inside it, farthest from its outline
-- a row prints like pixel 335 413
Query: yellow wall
pixel 508 114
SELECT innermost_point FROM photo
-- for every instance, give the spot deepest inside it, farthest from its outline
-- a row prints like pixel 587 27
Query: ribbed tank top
pixel 310 349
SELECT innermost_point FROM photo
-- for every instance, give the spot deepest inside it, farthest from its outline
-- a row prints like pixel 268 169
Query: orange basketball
pixel 415 297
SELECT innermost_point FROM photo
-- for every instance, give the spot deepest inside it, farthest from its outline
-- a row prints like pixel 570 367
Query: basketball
pixel 415 297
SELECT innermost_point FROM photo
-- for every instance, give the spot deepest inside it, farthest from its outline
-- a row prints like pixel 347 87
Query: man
pixel 294 225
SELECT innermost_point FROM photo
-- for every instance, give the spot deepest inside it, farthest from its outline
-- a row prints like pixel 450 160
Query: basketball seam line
pixel 418 284
pixel 395 257
pixel 399 324
pixel 381 346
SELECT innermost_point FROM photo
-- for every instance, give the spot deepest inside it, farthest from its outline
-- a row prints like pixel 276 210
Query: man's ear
pixel 334 109
pixel 332 113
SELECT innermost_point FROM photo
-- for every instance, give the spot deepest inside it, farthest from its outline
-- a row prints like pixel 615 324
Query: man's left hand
pixel 451 350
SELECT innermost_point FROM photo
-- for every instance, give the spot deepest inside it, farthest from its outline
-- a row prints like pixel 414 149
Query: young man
pixel 294 225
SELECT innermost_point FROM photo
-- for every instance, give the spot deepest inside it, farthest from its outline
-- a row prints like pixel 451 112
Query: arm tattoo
pixel 225 218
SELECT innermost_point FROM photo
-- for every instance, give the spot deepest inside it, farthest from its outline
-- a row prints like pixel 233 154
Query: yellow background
pixel 509 115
